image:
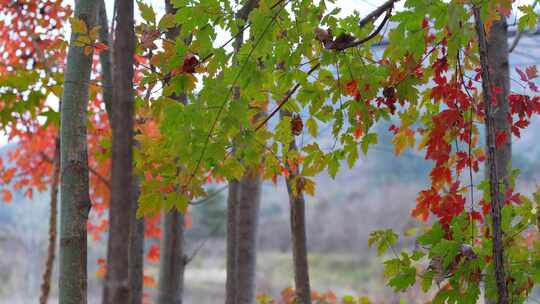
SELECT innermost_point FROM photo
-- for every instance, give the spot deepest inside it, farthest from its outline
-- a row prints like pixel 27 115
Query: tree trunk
pixel 497 49
pixel 122 192
pixel 299 244
pixel 173 260
pixel 105 59
pixel 75 198
pixel 232 206
pixel 497 160
pixel 49 264
pixel 136 250
pixel 298 234
pixel 241 243
pixel 246 232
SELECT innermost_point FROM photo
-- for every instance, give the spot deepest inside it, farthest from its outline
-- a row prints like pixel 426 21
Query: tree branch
pixel 388 5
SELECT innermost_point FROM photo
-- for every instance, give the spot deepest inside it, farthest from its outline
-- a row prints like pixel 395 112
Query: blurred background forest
pixel 377 193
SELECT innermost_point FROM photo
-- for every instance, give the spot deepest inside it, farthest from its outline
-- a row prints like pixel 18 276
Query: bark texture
pixel 497 49
pixel 497 160
pixel 173 260
pixel 246 232
pixel 122 192
pixel 75 198
pixel 136 250
pixel 51 251
pixel 232 206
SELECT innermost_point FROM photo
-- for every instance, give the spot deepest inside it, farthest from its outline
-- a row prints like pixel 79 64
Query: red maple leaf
pixel 501 138
pixel 153 253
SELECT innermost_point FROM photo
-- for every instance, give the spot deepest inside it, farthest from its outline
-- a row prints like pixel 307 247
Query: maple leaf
pixel 501 138
pixel 475 215
pixel 149 281
pixel 78 25
pixel 403 138
pixel 153 253
pixel 152 228
pixel 531 72
pixel 6 196
pixel 100 47
pixel 148 37
pixel 102 270
pixel 351 87
pixel 424 201
pixel 440 175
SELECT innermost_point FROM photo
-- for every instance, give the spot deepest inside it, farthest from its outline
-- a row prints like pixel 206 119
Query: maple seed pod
pixel 296 125
pixel 190 63
pixel 389 92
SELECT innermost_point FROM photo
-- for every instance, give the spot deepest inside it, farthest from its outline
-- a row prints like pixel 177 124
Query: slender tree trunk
pixel 122 191
pixel 105 59
pixel 298 232
pixel 242 217
pixel 489 80
pixel 299 245
pixel 232 206
pixel 75 198
pixel 173 258
pixel 136 250
pixel 497 49
pixel 247 223
pixel 51 252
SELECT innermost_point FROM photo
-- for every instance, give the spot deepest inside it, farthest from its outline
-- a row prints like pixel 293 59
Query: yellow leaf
pixel 78 25
pixel 94 33
pixel 309 186
pixel 84 40
pixel 403 139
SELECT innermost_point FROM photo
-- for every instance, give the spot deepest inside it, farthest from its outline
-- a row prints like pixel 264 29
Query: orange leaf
pixel 88 50
pixel 531 71
pixel 102 270
pixel 29 193
pixel 7 196
pixel 149 281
